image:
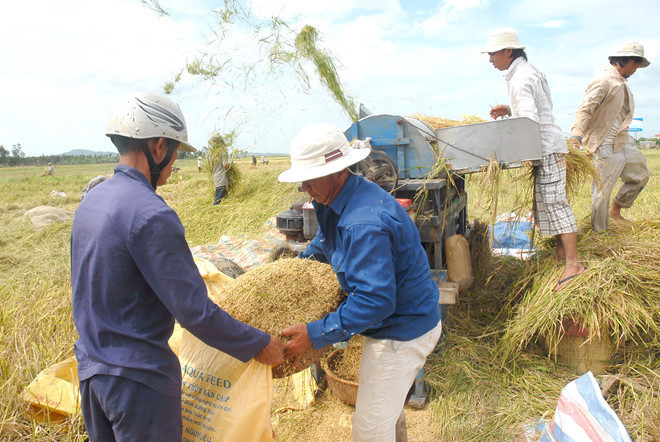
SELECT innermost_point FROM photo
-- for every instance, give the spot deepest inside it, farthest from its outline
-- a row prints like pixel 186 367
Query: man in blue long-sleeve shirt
pixel 132 275
pixel 375 249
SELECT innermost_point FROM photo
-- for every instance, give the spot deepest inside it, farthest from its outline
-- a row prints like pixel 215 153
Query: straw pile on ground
pixel 617 296
pixel 491 377
pixel 282 293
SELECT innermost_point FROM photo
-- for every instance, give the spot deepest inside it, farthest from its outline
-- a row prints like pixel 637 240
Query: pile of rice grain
pixel 348 366
pixel 282 293
pixel 438 122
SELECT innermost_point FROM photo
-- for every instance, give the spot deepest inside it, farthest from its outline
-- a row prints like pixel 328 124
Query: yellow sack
pixel 295 392
pixel 53 395
pixel 223 398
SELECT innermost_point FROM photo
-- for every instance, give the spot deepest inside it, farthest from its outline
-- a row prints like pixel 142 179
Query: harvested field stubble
pixel 477 395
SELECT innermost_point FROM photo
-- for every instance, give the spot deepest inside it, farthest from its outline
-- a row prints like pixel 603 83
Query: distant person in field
pixel 93 183
pixel 601 124
pixel 132 275
pixel 220 179
pixel 49 170
pixel 530 97
pixel 199 164
pixel 178 171
pixel 376 252
pixel 254 160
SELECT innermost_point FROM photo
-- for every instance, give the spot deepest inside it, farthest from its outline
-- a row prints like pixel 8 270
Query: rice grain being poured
pixel 282 293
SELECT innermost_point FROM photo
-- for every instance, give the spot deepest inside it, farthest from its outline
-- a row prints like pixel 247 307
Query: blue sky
pixel 65 63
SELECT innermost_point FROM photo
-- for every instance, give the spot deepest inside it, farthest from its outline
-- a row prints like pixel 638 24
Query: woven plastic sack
pixel 222 398
pixel 583 414
pixel 53 395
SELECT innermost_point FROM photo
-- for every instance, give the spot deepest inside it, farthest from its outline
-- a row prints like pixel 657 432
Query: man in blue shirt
pixel 132 274
pixel 375 249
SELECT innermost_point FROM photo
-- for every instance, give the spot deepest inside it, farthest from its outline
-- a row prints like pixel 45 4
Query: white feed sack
pixel 42 216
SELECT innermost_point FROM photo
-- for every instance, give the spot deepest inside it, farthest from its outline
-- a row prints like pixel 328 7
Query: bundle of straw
pixel 580 169
pixel 617 296
pixel 490 382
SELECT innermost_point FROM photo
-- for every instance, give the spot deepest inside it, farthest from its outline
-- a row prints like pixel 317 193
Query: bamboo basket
pixel 578 351
pixel 345 390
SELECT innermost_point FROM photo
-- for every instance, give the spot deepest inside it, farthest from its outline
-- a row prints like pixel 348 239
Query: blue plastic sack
pixel 512 235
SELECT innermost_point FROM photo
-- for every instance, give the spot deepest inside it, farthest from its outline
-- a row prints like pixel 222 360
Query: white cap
pixel 502 38
pixel 145 115
pixel 320 150
pixel 632 49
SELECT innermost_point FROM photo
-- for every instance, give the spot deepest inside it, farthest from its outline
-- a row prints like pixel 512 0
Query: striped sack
pixel 583 415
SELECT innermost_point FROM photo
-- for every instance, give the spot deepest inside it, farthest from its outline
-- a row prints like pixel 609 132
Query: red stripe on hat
pixel 333 155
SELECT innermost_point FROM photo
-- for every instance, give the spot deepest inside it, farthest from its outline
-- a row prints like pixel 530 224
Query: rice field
pixel 489 378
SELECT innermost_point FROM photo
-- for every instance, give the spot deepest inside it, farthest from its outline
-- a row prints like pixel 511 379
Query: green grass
pixel 37 331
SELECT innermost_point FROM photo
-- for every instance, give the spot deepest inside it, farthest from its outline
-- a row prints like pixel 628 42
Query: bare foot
pixel 615 213
pixel 618 217
pixel 567 277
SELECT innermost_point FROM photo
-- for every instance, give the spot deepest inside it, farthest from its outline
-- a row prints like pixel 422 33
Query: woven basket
pixel 575 350
pixel 307 359
pixel 594 355
pixel 345 390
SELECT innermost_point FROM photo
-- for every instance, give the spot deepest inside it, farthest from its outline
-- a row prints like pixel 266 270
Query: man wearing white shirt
pixel 530 97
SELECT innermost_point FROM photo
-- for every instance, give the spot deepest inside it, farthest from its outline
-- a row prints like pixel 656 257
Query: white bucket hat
pixel 502 38
pixel 319 150
pixel 632 49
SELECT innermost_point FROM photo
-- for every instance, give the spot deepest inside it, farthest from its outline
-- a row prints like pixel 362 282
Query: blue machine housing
pixel 409 143
pixel 406 141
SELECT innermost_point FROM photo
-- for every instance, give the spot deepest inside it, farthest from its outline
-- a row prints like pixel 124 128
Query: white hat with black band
pixel 319 150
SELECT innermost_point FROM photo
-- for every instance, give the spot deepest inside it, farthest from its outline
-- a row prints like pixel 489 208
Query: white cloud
pixel 306 9
pixel 450 13
pixel 554 24
pixel 434 25
pixel 70 60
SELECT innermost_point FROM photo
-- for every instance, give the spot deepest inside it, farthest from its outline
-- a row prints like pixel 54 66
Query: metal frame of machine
pixel 414 148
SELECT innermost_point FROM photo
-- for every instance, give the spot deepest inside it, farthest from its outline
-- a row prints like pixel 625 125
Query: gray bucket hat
pixel 632 49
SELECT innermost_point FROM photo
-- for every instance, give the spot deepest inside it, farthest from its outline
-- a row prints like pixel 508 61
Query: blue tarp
pixel 512 235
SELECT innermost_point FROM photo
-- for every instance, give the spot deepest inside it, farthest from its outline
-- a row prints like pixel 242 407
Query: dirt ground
pixel 329 419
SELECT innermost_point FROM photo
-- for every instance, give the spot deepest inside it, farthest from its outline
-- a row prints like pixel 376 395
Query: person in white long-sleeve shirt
pixel 530 97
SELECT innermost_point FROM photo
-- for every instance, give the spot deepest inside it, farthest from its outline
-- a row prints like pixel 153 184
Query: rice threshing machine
pixel 406 151
pixel 404 161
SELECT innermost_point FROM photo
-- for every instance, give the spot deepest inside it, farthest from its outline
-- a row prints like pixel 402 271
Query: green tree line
pixel 16 157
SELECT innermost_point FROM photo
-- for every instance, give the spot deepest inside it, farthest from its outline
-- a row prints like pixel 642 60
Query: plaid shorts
pixel 552 213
